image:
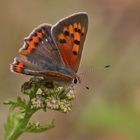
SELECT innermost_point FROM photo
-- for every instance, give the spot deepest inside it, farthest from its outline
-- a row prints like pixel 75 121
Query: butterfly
pixel 54 51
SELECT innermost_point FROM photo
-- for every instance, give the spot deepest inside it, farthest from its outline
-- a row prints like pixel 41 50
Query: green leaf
pixel 21 103
pixel 37 128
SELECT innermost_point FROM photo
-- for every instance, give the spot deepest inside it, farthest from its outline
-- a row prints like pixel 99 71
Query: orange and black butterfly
pixel 54 51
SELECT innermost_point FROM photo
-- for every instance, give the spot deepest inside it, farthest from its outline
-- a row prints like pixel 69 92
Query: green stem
pixel 21 126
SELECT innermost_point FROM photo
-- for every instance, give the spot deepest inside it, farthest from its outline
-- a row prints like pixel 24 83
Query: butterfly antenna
pixel 83 74
pixel 87 87
pixel 107 66
pixel 93 69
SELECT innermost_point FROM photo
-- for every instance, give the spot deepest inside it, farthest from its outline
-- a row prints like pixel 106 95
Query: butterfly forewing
pixel 69 35
pixel 40 46
pixel 39 53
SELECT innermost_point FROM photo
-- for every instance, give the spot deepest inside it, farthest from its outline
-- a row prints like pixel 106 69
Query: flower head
pixel 37 102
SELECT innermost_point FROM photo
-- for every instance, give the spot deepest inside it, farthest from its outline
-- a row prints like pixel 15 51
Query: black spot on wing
pixel 76 29
pixel 62 41
pixel 76 42
pixel 66 33
pixel 74 53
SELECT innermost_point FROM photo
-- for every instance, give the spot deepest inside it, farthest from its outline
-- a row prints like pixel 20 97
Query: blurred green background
pixel 110 110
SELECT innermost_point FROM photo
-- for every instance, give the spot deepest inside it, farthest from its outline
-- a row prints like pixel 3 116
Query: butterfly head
pixel 76 80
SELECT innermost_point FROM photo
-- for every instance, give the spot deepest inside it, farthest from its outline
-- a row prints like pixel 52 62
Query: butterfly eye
pixel 76 80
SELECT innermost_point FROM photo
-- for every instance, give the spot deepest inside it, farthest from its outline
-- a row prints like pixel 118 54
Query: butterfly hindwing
pixel 22 65
pixel 69 35
pixel 39 53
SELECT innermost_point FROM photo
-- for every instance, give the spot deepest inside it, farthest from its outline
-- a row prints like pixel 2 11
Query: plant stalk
pixel 21 126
